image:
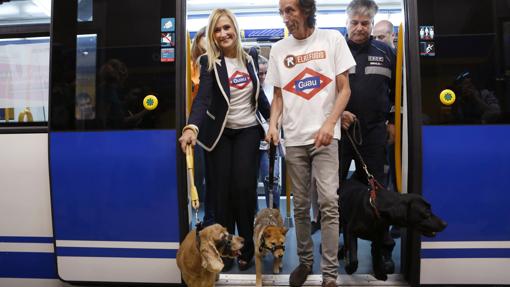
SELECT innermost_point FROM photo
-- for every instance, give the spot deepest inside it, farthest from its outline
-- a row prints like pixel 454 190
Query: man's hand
pixel 325 135
pixel 187 137
pixel 272 135
pixel 390 128
pixel 347 119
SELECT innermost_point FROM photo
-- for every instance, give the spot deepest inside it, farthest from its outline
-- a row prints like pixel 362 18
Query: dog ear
pixel 284 230
pixel 266 233
pixel 211 259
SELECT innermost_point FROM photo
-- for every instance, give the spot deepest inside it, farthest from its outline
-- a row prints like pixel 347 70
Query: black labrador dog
pixel 361 220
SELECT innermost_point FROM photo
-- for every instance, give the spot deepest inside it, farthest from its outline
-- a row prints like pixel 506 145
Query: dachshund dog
pixel 199 256
pixel 366 218
pixel 268 236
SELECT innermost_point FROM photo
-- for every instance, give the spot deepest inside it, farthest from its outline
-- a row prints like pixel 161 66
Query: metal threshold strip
pixel 313 280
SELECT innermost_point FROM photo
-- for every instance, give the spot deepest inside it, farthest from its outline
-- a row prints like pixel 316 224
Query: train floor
pixel 291 260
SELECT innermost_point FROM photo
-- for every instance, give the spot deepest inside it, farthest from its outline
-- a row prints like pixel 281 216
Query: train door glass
pixel 465 89
pixel 115 85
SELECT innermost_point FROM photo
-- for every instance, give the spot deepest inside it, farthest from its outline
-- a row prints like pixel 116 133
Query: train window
pixel 103 72
pixel 24 76
pixel 24 12
pixel 468 55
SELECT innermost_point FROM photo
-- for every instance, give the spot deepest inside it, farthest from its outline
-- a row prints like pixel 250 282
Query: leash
pixel 193 194
pixel 270 184
pixel 195 203
pixel 374 184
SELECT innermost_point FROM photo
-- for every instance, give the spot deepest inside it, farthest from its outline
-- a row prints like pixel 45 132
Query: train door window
pixel 24 75
pixel 469 55
pixel 118 64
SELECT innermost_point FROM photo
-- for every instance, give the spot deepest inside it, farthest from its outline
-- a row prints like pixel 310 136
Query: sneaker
pixel 315 226
pixel 330 283
pixel 298 276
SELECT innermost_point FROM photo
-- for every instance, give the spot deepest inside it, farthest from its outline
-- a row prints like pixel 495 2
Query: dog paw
pixel 351 267
pixel 381 276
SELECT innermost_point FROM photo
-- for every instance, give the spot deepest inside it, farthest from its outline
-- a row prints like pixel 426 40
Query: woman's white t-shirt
pixel 242 113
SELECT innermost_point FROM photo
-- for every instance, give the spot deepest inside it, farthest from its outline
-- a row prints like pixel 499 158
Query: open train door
pixel 460 138
pixel 112 150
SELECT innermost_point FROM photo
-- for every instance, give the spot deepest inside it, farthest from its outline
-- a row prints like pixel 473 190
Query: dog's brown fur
pixel 200 265
pixel 268 233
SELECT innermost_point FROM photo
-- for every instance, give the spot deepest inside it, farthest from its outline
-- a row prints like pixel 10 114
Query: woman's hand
pixel 188 137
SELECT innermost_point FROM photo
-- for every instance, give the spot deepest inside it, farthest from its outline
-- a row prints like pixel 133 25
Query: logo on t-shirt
pixel 239 80
pixel 290 61
pixel 307 84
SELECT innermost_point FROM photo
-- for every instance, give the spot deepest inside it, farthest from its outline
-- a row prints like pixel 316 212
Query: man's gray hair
pixel 362 7
pixel 262 60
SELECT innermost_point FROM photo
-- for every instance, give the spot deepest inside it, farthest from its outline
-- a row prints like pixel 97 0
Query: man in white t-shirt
pixel 309 71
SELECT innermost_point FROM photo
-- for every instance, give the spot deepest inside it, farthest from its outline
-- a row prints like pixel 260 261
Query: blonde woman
pixel 225 121
pixel 198 48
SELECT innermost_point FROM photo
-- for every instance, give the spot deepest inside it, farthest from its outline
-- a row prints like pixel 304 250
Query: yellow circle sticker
pixel 447 97
pixel 150 102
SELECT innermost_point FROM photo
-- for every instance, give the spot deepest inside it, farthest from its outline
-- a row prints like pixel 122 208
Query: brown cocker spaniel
pixel 199 257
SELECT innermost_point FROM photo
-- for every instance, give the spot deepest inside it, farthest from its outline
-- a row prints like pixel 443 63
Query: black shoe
pixel 389 265
pixel 315 226
pixel 298 276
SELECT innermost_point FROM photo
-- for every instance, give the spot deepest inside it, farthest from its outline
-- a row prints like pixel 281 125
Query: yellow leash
pixel 398 101
pixel 195 203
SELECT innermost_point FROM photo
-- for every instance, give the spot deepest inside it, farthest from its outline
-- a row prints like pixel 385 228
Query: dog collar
pixel 198 228
pixel 374 186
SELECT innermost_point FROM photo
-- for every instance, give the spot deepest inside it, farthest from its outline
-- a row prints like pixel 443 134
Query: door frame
pixel 412 240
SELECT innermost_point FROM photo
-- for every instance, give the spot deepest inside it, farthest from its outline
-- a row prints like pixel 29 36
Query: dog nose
pixel 281 255
pixel 444 224
pixel 241 240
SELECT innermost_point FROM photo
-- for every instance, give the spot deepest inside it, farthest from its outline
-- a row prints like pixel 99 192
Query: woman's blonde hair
pixel 196 49
pixel 213 50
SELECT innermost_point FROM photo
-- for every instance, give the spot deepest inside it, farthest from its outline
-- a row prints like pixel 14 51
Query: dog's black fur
pixel 359 220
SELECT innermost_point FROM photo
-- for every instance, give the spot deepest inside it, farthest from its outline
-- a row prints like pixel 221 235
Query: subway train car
pixel 93 189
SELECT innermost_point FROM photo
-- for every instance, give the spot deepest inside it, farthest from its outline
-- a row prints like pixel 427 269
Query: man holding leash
pixel 372 84
pixel 309 71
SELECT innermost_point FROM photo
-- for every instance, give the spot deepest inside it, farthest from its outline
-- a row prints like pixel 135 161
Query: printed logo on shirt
pixel 290 61
pixel 307 84
pixel 239 80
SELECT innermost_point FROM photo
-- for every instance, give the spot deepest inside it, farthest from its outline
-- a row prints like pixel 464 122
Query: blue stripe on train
pixel 114 186
pixel 26 239
pixel 466 175
pixel 116 252
pixel 466 253
pixel 28 265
